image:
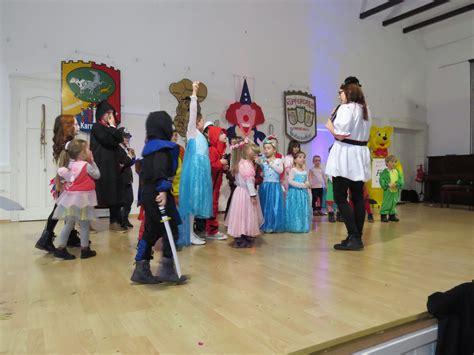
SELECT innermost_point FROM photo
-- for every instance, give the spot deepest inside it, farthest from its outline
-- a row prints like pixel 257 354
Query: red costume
pixel 216 152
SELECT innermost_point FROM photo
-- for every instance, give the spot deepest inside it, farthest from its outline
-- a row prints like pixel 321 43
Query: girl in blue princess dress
pixel 270 191
pixel 298 213
pixel 195 189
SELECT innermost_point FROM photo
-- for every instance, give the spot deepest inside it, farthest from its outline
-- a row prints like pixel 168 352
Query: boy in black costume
pixel 158 167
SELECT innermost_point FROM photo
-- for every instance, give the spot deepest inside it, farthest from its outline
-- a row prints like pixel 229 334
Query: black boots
pixel 393 218
pixel 168 273
pixel 46 242
pixel 74 241
pixel 126 223
pixel 62 253
pixel 87 253
pixel 351 243
pixel 142 273
pixel 244 241
pixel 339 217
pixel 331 217
pixel 383 218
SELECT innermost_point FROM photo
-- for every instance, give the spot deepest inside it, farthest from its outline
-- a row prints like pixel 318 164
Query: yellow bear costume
pixel 379 141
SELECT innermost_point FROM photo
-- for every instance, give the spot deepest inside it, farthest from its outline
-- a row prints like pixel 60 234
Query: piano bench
pixel 447 191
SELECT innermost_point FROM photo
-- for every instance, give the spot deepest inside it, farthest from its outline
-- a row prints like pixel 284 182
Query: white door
pixel 33 101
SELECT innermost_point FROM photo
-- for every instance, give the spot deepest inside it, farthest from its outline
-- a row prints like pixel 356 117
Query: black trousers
pixel 353 219
pixel 154 228
pixel 127 203
pixel 50 222
pixel 317 193
pixel 114 214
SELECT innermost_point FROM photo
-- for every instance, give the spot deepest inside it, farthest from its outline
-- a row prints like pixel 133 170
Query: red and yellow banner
pixel 83 85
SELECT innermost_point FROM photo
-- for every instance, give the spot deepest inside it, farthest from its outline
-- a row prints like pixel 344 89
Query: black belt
pixel 353 142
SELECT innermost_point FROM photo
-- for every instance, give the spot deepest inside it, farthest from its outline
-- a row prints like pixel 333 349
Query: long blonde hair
pixel 74 149
pixel 239 152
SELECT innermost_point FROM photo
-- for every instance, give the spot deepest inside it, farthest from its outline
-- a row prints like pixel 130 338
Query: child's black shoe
pixel 393 218
pixel 383 218
pixel 331 217
pixel 62 253
pixel 87 253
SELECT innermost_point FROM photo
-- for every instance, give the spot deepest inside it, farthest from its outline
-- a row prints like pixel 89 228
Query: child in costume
pixel 127 159
pixel 270 191
pixel 293 148
pixel 65 129
pixel 195 190
pixel 245 215
pixel 77 200
pixel 391 181
pixel 158 166
pixel 298 214
pixel 317 180
pixel 217 145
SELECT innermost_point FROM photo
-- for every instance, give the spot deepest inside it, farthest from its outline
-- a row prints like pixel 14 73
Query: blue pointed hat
pixel 245 96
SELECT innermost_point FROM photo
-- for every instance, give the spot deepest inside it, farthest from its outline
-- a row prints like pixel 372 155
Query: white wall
pixel 282 44
pixel 450 45
pixel 4 96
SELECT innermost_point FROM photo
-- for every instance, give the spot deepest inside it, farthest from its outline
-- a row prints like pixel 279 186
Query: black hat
pixel 125 132
pixel 352 80
pixel 102 108
pixel 159 125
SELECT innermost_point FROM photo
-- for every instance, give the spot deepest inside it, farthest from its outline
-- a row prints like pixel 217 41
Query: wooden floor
pixel 288 293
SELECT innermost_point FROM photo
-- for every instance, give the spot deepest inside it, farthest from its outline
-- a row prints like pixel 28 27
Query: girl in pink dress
pixel 245 215
pixel 76 202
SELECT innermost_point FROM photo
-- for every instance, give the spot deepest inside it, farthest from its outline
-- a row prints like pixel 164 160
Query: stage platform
pixel 289 293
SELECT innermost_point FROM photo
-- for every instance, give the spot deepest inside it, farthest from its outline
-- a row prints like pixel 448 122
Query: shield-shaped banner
pixel 300 115
pixel 83 85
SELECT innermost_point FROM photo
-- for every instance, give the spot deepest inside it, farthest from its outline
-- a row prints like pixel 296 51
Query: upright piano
pixel 448 169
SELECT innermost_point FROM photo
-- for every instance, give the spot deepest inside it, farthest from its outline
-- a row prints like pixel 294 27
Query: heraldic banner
pixel 83 86
pixel 300 115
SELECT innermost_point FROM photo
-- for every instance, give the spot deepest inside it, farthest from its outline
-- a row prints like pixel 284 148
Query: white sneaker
pixel 196 241
pixel 217 236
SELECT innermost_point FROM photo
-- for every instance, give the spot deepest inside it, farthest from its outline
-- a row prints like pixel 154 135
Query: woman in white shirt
pixel 349 161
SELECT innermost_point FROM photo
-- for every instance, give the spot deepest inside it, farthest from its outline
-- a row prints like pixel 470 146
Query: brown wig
pixel 292 145
pixel 63 133
pixel 355 94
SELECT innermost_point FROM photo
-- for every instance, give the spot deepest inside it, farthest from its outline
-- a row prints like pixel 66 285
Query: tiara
pixel 240 144
pixel 66 145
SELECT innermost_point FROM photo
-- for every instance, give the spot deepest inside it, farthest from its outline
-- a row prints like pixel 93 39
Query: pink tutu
pixel 244 217
pixel 76 204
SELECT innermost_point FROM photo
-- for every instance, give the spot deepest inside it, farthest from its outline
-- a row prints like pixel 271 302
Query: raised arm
pixel 192 130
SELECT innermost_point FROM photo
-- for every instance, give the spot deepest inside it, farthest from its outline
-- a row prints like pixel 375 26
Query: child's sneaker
pixel 370 218
pixel 87 253
pixel 217 236
pixel 62 253
pixel 196 241
pixel 383 218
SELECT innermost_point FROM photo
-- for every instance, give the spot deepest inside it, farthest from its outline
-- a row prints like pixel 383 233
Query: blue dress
pixel 195 189
pixel 298 214
pixel 271 200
